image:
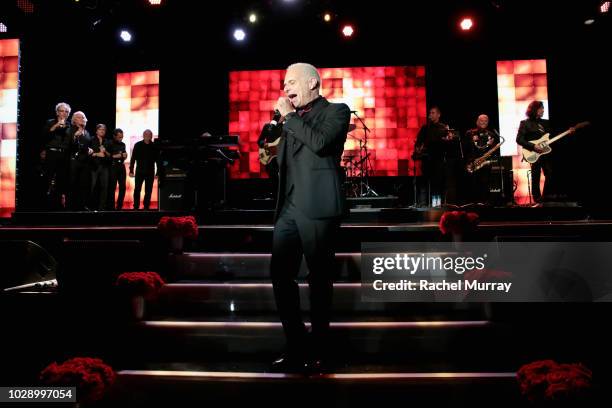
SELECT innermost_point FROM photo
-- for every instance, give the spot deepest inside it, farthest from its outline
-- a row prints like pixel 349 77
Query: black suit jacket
pixel 79 145
pixel 59 138
pixel 531 129
pixel 314 143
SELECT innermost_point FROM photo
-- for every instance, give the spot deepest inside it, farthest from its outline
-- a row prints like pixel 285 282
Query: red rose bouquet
pixel 146 284
pixel 458 222
pixel 185 227
pixel 549 383
pixel 91 377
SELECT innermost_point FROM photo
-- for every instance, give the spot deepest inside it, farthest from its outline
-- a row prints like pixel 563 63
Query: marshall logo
pixel 175 196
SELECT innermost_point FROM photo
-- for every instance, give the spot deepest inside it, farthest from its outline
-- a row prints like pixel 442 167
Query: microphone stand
pixel 501 170
pixel 414 183
pixel 364 162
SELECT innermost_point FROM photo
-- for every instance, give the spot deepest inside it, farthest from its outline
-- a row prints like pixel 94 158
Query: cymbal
pixel 352 127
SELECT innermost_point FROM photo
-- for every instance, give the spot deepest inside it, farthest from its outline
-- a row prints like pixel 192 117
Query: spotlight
pixel 466 24
pixel 327 17
pixel 605 7
pixel 126 36
pixel 155 2
pixel 252 18
pixel 3 28
pixel 589 21
pixel 239 34
pixel 347 30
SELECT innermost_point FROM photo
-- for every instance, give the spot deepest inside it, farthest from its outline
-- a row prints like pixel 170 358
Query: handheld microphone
pixel 270 130
pixel 276 118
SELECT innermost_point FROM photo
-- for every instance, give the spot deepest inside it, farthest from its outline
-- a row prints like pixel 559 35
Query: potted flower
pixel 176 229
pixel 91 377
pixel 458 223
pixel 138 287
pixel 547 383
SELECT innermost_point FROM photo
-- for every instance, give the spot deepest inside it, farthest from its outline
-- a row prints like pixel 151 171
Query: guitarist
pixel 533 128
pixel 479 141
pixel 437 147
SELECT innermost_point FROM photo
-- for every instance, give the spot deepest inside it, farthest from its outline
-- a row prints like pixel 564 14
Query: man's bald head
pixel 483 121
pixel 302 84
pixel 308 71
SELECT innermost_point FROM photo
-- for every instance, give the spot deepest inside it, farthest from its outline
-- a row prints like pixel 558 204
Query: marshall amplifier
pixel 174 194
pixel 501 184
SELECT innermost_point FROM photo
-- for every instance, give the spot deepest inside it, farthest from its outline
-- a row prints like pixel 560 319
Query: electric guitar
pixel 544 143
pixel 268 152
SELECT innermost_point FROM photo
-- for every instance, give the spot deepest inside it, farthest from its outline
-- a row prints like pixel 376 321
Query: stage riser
pixel 253 216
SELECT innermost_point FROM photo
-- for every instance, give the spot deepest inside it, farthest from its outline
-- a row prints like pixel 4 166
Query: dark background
pixel 71 52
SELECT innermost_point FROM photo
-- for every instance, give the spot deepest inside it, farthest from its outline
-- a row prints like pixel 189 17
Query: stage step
pixel 265 216
pixel 236 299
pixel 226 238
pixel 359 388
pixel 385 338
pixel 229 266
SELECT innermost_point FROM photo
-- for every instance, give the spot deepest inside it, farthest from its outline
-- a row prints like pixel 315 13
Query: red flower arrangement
pixel 547 381
pixel 185 227
pixel 458 222
pixel 145 284
pixel 91 376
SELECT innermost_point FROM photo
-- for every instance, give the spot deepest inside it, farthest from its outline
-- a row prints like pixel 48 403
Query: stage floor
pixel 357 216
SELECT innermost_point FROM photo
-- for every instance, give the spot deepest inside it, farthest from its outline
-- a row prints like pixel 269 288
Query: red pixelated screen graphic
pixel 137 109
pixel 9 83
pixel 390 100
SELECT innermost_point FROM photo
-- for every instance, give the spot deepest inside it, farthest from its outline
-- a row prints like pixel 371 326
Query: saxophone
pixel 482 161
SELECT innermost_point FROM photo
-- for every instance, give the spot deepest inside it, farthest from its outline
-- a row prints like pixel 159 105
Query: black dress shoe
pixel 289 363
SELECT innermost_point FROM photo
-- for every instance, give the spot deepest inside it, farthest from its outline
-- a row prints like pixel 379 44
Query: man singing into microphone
pixel 80 171
pixel 54 155
pixel 309 207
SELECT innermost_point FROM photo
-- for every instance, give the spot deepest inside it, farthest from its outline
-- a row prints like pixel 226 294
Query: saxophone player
pixel 481 140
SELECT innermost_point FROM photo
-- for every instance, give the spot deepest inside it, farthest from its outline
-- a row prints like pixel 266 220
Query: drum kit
pixel 357 163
